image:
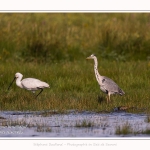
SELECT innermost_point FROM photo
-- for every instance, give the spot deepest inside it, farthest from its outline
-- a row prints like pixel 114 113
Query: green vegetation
pixel 147 120
pixel 124 130
pixel 73 86
pixel 53 47
pixel 43 129
pixel 47 37
pixel 20 124
pixel 146 131
pixel 84 124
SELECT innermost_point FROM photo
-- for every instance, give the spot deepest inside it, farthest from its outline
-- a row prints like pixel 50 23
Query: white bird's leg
pixel 40 91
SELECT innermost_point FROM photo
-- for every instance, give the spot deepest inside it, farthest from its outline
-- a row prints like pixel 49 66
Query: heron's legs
pixel 40 91
pixel 108 98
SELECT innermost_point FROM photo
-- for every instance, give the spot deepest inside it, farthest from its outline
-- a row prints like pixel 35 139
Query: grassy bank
pixel 48 37
pixel 53 47
pixel 73 86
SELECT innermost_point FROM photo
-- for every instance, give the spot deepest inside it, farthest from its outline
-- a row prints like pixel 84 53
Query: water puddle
pixel 72 124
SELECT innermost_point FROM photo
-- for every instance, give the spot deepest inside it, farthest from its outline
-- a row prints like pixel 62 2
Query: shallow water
pixel 72 124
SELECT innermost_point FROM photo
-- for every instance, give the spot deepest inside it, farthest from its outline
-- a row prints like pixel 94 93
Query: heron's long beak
pixel 89 57
pixel 11 83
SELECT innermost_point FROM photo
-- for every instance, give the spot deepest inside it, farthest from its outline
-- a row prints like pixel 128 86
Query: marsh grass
pixel 43 129
pixel 146 131
pixel 84 124
pixel 126 129
pixel 53 48
pixel 73 86
pixel 52 37
pixel 21 124
pixel 147 120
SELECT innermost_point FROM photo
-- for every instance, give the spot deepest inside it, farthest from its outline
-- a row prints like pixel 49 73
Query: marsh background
pixel 53 47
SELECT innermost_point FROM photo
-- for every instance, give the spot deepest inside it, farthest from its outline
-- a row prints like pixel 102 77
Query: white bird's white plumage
pixel 31 84
pixel 107 85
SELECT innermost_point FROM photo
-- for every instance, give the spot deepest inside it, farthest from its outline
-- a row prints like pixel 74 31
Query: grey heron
pixel 107 85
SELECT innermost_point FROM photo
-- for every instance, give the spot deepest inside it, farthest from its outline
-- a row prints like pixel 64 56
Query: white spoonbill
pixel 31 84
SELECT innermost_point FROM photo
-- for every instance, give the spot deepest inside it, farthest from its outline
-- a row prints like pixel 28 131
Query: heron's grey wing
pixel 33 84
pixel 111 86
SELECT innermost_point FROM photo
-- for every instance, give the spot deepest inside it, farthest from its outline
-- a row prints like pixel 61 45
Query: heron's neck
pixel 97 75
pixel 18 82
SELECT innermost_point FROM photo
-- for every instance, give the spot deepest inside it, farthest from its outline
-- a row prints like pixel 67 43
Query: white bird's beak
pixel 11 83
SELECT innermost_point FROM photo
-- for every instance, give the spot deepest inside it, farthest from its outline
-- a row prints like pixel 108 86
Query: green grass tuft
pixel 84 124
pixel 124 130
